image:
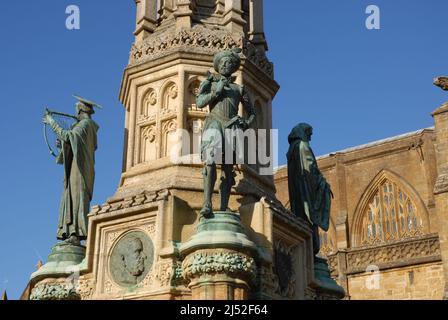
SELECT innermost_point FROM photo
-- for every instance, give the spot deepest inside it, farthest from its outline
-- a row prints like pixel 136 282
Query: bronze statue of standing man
pixel 77 154
pixel 309 193
pixel 223 96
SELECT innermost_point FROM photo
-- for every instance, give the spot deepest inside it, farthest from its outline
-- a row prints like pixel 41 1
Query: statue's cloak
pixel 78 157
pixel 309 192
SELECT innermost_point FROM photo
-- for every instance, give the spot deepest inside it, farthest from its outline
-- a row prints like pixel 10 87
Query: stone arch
pixel 192 92
pixel 170 95
pixel 169 129
pixel 148 150
pixel 148 106
pixel 388 206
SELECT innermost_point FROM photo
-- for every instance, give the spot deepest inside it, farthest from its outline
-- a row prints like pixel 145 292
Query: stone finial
pixel 441 82
pixel 4 296
pixel 39 264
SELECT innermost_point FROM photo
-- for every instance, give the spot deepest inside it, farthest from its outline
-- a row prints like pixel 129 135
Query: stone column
pixel 165 8
pixel 441 185
pixel 256 31
pixel 219 260
pixel 233 16
pixel 146 19
pixel 183 14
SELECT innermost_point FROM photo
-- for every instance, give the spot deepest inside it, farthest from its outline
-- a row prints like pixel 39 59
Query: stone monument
pixel 156 238
pixel 76 145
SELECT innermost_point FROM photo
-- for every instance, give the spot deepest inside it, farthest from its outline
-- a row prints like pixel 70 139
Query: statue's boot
pixel 209 174
pixel 225 189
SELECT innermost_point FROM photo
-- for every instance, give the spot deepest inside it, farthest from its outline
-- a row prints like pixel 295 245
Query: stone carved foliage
pixel 200 39
pixel 232 263
pixel 284 269
pixel 55 291
pixel 85 288
pixel 426 247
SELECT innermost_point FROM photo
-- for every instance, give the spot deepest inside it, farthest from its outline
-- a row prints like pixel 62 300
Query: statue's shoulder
pixel 89 123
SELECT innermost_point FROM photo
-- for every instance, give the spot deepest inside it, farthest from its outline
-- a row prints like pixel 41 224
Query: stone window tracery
pixel 391 215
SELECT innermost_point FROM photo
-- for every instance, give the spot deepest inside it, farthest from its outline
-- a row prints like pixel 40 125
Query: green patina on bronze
pixel 223 96
pixel 77 154
pixel 309 193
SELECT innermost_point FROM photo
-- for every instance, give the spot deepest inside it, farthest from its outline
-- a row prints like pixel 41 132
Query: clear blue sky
pixel 353 85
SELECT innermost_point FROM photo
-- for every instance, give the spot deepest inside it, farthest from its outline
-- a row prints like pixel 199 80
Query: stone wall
pixel 414 282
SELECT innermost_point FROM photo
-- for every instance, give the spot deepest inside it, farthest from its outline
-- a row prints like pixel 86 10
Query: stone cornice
pixel 419 250
pixel 198 39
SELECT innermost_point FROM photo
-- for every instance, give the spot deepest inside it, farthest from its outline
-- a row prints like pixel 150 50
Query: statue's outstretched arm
pixel 61 133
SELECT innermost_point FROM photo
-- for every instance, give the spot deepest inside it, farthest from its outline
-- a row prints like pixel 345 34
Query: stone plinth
pixel 219 259
pixel 53 281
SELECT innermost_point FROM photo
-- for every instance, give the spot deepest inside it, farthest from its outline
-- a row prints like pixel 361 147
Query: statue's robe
pixel 309 192
pixel 78 157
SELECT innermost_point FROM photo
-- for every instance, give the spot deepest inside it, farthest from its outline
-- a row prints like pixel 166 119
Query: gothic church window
pixel 391 215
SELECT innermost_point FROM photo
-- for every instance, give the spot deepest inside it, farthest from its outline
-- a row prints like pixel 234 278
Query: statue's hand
pixel 220 87
pixel 47 118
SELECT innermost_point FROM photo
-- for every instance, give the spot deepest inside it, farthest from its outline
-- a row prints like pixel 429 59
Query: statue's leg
pixel 227 182
pixel 209 174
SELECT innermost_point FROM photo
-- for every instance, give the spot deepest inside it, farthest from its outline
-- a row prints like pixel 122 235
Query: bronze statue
pixel 223 96
pixel 309 193
pixel 77 147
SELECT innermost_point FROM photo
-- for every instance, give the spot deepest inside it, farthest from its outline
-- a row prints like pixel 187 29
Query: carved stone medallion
pixel 131 259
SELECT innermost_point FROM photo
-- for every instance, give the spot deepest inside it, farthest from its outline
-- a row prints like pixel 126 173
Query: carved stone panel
pixel 170 94
pixel 131 259
pixel 284 269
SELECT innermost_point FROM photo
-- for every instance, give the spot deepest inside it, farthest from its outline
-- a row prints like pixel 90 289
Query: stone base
pixel 219 261
pixel 326 288
pixel 64 260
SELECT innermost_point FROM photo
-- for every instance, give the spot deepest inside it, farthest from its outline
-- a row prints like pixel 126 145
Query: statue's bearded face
pixel 135 260
pixel 227 66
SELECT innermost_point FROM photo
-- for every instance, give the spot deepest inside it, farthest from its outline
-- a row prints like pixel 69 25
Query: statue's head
pixel 227 62
pixel 133 257
pixel 83 108
pixel 302 131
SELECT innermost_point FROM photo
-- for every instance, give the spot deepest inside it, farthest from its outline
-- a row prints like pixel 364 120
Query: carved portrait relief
pixel 131 259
